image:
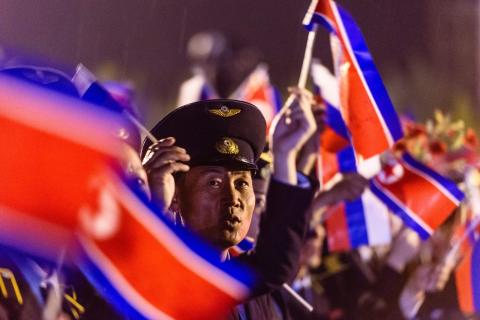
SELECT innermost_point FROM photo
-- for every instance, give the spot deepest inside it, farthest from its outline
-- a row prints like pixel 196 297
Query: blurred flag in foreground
pixel 420 196
pixel 364 221
pixel 258 90
pixel 59 187
pixel 366 106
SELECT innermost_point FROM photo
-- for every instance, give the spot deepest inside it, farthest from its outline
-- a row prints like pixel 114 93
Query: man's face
pixel 217 203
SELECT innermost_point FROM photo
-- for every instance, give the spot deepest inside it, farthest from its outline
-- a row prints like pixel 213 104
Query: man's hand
pixel 349 188
pixel 160 163
pixel 309 153
pixel 404 248
pixel 290 130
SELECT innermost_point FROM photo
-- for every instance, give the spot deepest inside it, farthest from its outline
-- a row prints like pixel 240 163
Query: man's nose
pixel 230 194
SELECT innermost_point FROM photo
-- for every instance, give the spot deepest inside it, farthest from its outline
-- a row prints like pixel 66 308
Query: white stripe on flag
pixel 376 219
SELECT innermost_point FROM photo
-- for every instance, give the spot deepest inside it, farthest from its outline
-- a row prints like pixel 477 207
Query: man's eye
pixel 215 183
pixel 242 184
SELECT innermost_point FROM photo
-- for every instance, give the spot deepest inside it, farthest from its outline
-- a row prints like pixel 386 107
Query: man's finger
pixel 169 168
pixel 167 157
pixel 160 152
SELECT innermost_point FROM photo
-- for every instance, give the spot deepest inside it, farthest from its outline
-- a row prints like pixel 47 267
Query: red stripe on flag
pixel 369 133
pixel 422 198
pixel 463 281
pixel 337 228
pixel 328 166
pixel 331 141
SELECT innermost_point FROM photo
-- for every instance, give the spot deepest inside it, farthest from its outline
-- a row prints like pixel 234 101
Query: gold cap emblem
pixel 224 111
pixel 227 146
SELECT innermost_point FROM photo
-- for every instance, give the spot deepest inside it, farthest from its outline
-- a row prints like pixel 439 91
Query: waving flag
pixel 258 90
pixel 195 89
pixel 366 106
pixel 335 137
pixel 352 224
pixel 59 187
pixel 420 196
pixel 364 221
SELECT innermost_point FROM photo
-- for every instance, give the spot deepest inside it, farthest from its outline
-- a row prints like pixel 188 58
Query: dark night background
pixel 426 50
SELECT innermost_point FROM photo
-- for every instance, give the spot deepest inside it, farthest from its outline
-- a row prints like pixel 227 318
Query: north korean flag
pixel 366 107
pixel 420 196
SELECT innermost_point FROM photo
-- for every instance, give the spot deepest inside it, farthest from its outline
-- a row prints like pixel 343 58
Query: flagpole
pixel 304 72
pixel 295 295
pixel 307 56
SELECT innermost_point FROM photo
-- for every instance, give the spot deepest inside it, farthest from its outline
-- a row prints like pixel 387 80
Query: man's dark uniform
pixel 231 133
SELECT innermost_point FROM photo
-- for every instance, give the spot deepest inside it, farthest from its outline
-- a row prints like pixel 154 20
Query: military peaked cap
pixel 223 132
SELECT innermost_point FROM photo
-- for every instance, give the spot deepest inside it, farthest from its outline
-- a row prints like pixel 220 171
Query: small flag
pixel 352 224
pixel 258 90
pixel 59 186
pixel 366 107
pixel 420 196
pixel 364 221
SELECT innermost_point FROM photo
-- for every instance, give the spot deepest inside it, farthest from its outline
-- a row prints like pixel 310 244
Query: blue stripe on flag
pixel 346 160
pixel 357 227
pixel 335 121
pixel 446 183
pixel 475 270
pixel 104 286
pixel 277 98
pixel 370 73
pixel 409 221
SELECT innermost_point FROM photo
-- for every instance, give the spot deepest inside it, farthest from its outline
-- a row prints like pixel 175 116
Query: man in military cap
pixel 202 170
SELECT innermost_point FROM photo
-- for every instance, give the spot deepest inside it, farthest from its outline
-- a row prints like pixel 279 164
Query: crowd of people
pixel 213 170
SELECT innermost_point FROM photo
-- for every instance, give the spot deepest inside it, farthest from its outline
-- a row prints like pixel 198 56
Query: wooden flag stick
pixel 302 301
pixel 305 71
